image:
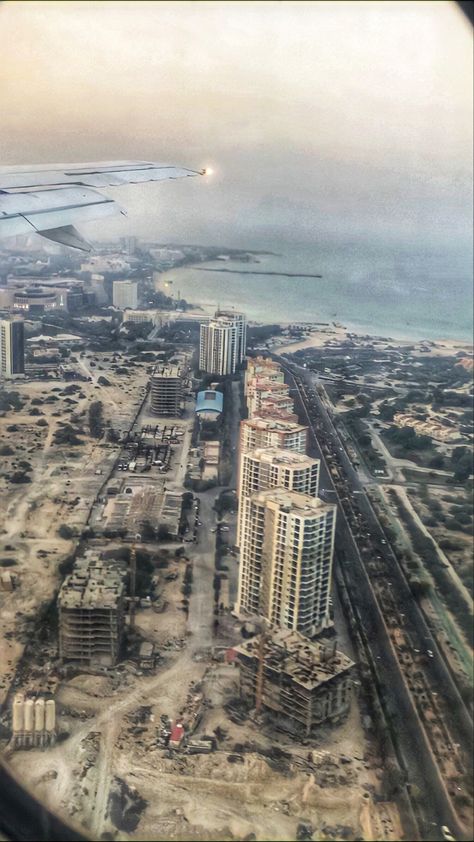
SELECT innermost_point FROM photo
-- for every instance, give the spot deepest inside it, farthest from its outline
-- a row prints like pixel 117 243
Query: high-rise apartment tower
pixel 286 557
pixel 266 468
pixel 12 349
pixel 222 343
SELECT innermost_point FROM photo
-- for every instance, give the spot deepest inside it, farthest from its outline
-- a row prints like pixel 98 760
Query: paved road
pixel 410 739
pixel 201 603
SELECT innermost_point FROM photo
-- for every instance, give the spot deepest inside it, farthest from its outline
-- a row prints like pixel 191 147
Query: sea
pixel 401 292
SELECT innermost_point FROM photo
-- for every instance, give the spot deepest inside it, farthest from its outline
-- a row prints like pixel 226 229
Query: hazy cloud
pixel 342 118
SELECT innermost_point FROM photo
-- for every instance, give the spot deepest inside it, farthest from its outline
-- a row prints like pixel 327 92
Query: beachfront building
pixel 222 343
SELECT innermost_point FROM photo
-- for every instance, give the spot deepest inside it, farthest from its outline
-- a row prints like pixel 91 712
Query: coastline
pixel 222 295
pixel 325 336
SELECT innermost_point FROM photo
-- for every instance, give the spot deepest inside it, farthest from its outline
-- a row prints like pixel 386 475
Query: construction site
pixel 91 605
pixel 33 721
pixel 300 683
pixel 163 728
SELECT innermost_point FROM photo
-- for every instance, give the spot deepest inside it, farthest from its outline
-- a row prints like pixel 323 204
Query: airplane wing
pixel 49 200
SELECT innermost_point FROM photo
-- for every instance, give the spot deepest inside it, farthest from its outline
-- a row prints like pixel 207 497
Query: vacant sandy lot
pixel 63 482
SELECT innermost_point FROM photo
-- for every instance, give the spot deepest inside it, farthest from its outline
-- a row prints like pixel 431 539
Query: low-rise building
pixel 209 405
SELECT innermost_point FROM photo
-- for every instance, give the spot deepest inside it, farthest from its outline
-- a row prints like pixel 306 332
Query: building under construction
pixel 167 390
pixel 91 607
pixel 301 683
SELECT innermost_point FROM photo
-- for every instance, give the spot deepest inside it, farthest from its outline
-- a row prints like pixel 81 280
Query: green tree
pixel 96 419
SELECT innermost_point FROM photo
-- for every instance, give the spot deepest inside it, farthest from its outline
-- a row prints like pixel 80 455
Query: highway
pixel 408 677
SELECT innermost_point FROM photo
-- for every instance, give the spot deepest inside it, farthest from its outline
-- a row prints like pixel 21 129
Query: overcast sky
pixel 346 119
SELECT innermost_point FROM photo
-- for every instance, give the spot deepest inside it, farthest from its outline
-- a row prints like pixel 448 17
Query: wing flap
pixel 67 236
pixel 108 174
pixel 54 211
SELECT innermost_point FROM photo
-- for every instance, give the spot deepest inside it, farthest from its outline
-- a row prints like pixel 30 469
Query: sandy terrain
pixel 63 486
pixel 206 796
pixel 110 726
pixel 321 337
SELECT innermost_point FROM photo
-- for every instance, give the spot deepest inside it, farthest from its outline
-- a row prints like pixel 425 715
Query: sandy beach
pixel 324 337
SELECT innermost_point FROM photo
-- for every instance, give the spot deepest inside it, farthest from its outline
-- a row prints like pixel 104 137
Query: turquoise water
pixel 398 292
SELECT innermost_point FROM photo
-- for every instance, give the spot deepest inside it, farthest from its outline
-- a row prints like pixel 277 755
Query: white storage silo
pixel 18 716
pixel 39 715
pixel 50 715
pixel 29 709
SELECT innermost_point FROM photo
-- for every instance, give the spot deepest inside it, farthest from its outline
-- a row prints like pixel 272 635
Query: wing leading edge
pixel 65 196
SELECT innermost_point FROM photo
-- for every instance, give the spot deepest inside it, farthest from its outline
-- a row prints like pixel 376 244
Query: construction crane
pixel 133 577
pixel 261 665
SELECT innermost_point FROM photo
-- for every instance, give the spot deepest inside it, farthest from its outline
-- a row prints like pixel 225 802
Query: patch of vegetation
pixel 68 435
pixel 96 419
pixel 262 333
pixel 407 438
pixel 10 400
pixel 19 477
pixel 65 532
pixel 65 567
pixel 425 548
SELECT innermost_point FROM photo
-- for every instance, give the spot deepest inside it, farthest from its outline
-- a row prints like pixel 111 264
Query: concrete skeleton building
pixel 269 432
pixel 265 468
pixel 12 349
pixel 286 558
pixel 91 606
pixel 125 295
pixel 303 684
pixel 167 390
pixel 222 343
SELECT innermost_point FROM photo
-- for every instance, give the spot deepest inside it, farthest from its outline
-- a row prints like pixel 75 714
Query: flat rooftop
pixel 162 371
pixel 277 424
pixel 277 456
pixel 262 384
pixel 308 663
pixel 92 584
pixel 299 504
